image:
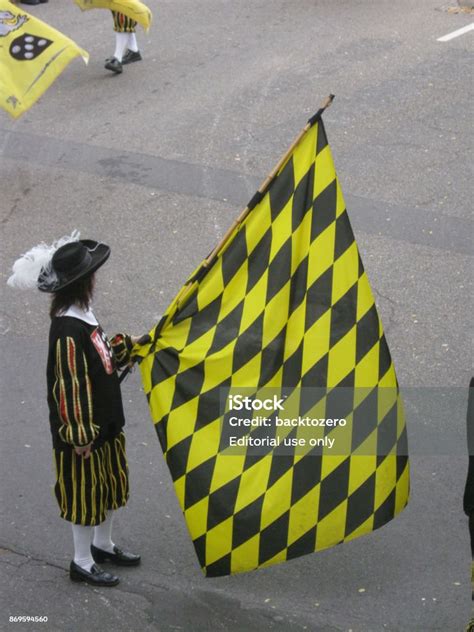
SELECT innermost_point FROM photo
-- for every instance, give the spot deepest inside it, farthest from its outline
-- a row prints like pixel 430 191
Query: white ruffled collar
pixel 87 315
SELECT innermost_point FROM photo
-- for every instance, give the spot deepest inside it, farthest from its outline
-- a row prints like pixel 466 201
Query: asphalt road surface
pixel 157 162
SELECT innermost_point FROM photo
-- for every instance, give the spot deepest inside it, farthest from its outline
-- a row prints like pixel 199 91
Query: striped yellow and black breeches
pixel 87 488
pixel 123 24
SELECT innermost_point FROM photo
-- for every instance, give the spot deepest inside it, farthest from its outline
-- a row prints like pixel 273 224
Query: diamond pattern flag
pixel 283 304
pixel 32 56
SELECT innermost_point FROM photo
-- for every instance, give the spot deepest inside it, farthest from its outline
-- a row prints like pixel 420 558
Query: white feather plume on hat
pixel 26 269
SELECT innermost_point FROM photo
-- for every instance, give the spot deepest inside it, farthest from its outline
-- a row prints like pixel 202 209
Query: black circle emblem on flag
pixel 27 47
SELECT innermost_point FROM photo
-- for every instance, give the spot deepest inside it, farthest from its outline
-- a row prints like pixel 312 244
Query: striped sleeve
pixel 73 394
pixel 122 349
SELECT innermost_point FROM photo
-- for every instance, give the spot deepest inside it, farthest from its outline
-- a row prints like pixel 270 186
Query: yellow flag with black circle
pixel 133 9
pixel 283 304
pixel 32 55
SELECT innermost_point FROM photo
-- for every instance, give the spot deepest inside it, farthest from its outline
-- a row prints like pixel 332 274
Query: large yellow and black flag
pixel 283 304
pixel 32 55
pixel 133 9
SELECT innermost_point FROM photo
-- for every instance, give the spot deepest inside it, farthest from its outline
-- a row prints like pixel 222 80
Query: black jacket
pixel 84 398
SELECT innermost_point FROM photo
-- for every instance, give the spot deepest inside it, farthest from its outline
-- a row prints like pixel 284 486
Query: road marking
pixel 450 36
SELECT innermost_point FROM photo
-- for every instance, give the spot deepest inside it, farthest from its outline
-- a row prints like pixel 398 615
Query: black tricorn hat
pixel 72 262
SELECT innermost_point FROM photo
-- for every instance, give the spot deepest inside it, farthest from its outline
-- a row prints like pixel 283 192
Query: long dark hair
pixel 78 293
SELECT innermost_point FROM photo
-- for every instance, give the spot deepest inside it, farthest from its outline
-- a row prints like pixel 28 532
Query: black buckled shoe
pixel 118 557
pixel 114 65
pixel 96 576
pixel 131 56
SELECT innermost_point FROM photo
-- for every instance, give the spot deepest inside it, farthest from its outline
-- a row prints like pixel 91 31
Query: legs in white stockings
pixel 126 51
pixel 100 536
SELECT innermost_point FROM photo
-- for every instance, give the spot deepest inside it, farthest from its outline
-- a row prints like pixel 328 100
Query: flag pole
pixel 253 202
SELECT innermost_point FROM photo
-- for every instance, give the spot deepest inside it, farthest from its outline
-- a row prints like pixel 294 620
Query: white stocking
pixel 82 546
pixel 103 534
pixel 132 42
pixel 121 40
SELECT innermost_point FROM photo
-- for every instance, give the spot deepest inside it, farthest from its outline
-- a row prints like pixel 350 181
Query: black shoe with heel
pixel 114 65
pixel 118 557
pixel 131 56
pixel 96 576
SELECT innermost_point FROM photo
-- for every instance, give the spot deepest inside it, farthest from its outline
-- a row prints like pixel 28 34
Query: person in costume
pixel 126 15
pixel 125 40
pixel 85 405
